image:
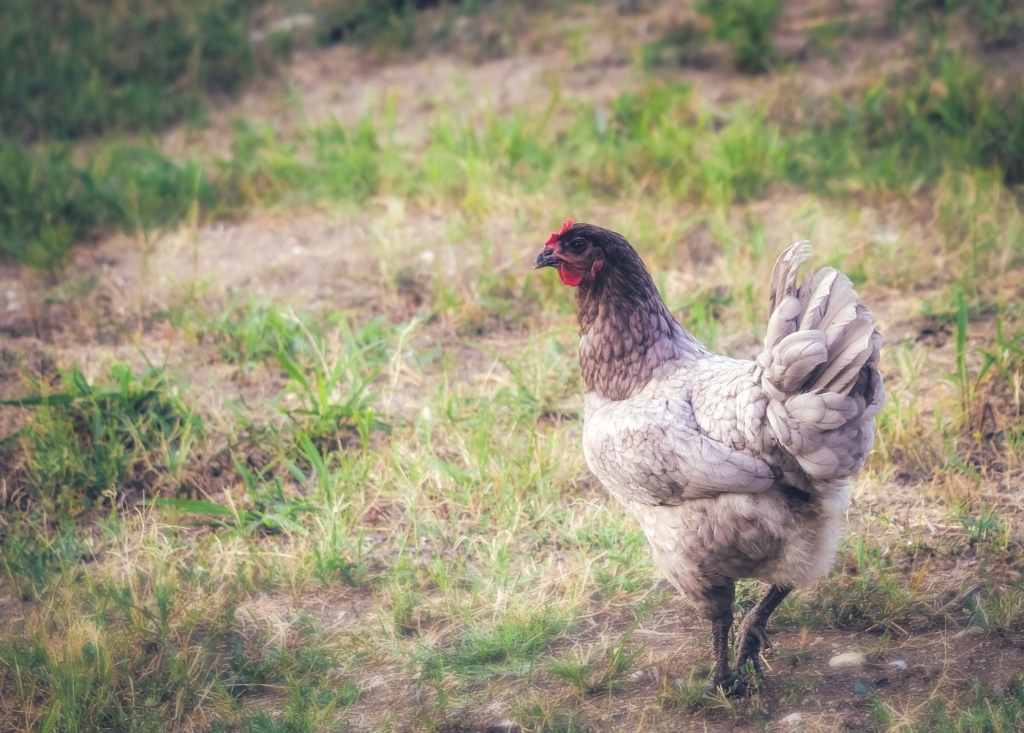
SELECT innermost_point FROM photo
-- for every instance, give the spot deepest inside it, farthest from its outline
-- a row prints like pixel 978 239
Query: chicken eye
pixel 577 245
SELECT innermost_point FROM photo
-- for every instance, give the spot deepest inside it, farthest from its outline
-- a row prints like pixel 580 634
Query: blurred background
pixel 289 433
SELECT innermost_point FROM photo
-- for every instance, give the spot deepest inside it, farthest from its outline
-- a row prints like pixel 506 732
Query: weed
pixel 747 26
pixel 538 715
pixel 1000 23
pixel 134 660
pixel 618 568
pixel 250 334
pixel 85 443
pixel 797 688
pixel 904 12
pixel 325 164
pixel 387 23
pixel 962 377
pixel 510 646
pixel 592 676
pixel 48 202
pixel 742 160
pixel 691 692
pixel 681 45
pixel 867 593
pixel 986 527
pixel 32 556
pixel 332 384
pixel 983 709
pixel 906 131
pixel 271 510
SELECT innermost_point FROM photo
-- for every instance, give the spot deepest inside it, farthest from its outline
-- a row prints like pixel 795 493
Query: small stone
pixel 644 676
pixel 793 719
pixel 848 659
pixel 969 631
pixel 505 726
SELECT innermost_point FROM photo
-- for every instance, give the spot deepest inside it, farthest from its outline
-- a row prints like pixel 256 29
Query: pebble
pixel 972 630
pixel 505 726
pixel 848 659
pixel 646 675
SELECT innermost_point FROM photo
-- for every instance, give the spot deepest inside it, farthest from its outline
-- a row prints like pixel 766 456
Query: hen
pixel 734 469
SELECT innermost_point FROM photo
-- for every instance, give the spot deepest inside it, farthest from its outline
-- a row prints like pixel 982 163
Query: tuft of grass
pixel 48 202
pixel 384 23
pixel 1000 23
pixel 747 26
pixel 250 334
pixel 87 443
pixel 997 23
pixel 538 715
pixel 901 133
pixel 866 592
pixel 510 646
pixel 591 675
pixel 330 383
pixel 326 163
pixel 983 708
pixel 680 45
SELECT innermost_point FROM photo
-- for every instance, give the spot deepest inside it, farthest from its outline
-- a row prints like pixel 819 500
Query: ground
pixel 390 409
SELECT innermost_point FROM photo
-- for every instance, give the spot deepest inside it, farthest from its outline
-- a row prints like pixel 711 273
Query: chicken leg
pixel 752 636
pixel 717 604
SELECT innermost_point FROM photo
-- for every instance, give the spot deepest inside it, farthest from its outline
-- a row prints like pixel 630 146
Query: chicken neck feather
pixel 627 333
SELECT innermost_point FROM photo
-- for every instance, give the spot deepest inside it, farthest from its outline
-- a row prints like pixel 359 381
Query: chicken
pixel 734 469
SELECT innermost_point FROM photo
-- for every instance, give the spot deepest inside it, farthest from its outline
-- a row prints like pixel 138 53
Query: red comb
pixel 566 226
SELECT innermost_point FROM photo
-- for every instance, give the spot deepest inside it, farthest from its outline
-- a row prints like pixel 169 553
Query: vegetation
pixel 82 68
pixel 303 456
pixel 747 26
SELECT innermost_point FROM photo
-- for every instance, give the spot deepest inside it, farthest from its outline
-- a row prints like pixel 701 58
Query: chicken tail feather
pixel 819 368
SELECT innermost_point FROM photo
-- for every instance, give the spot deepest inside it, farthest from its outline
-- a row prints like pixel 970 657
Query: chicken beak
pixel 547 258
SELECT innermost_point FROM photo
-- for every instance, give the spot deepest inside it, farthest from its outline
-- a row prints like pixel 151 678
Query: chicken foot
pixel 752 635
pixel 723 676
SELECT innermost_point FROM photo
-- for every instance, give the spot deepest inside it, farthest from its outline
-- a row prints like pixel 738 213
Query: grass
pixel 930 129
pixel 378 518
pixel 747 26
pixel 82 68
pixel 997 23
pixel 86 444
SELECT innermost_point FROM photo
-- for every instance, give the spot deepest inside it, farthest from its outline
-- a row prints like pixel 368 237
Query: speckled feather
pixel 733 468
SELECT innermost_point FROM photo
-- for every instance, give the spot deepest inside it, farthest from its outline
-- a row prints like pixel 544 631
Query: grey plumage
pixel 734 469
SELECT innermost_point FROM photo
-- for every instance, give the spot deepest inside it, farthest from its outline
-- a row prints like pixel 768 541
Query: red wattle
pixel 569 276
